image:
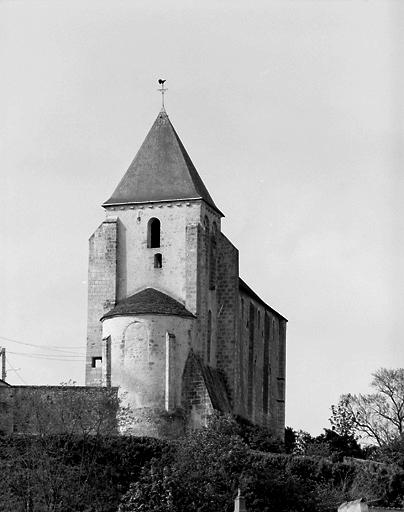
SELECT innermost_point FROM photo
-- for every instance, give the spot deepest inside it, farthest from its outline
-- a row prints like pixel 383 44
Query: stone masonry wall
pixel 195 397
pixel 6 409
pixel 233 332
pixel 281 378
pixel 135 260
pixel 193 238
pixel 262 362
pixel 101 290
pixel 139 358
pixel 227 315
pixel 201 291
pixel 58 410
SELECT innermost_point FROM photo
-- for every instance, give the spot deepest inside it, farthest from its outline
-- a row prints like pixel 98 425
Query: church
pixel 170 322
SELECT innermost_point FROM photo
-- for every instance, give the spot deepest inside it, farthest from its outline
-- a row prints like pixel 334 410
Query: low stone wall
pixel 58 410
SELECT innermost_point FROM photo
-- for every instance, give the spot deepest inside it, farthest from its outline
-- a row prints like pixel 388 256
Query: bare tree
pixel 379 416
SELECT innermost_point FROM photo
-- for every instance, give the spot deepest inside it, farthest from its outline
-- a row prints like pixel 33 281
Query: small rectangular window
pixel 158 261
pixel 96 362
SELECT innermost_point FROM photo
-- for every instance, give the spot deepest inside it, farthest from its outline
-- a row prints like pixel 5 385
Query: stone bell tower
pixel 148 277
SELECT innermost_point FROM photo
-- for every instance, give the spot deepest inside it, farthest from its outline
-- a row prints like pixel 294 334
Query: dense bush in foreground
pixel 65 473
pixel 200 472
pixel 204 470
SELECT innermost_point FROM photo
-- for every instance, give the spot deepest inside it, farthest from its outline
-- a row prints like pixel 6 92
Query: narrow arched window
pixel 153 233
pixel 209 337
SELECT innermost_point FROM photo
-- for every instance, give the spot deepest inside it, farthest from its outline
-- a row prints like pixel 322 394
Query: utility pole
pixel 3 363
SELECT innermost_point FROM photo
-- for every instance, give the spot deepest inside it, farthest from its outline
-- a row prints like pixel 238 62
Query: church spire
pixel 161 171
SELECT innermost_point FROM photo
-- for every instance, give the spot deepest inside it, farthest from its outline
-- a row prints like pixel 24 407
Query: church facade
pixel 170 322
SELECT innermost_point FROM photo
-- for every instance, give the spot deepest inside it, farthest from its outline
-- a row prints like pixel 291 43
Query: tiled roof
pixel 149 301
pixel 161 171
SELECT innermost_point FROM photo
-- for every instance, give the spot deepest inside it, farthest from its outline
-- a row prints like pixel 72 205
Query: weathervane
pixel 162 90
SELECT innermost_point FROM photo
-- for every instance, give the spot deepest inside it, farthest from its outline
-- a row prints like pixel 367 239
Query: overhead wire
pixel 60 353
pixel 47 347
pixel 8 362
pixel 52 357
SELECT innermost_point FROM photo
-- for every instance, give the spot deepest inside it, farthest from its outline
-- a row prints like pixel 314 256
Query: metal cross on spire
pixel 162 90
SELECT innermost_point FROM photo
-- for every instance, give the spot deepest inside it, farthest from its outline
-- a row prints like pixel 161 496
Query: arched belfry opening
pixel 153 233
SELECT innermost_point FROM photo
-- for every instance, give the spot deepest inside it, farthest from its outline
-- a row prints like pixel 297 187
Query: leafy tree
pixel 290 439
pixel 202 472
pixel 302 440
pixel 391 453
pixel 342 418
pixel 258 437
pixel 329 444
pixel 337 446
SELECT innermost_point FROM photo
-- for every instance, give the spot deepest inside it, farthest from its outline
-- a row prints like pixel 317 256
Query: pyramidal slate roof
pixel 161 171
pixel 149 301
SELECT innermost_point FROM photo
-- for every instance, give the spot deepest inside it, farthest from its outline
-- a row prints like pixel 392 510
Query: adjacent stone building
pixel 170 322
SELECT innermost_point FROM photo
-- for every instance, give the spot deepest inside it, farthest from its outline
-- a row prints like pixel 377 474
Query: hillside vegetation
pixel 200 472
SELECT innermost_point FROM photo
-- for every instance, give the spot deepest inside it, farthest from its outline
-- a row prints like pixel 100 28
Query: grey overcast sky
pixel 292 112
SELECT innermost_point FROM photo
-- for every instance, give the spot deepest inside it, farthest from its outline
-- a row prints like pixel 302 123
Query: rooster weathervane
pixel 162 90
